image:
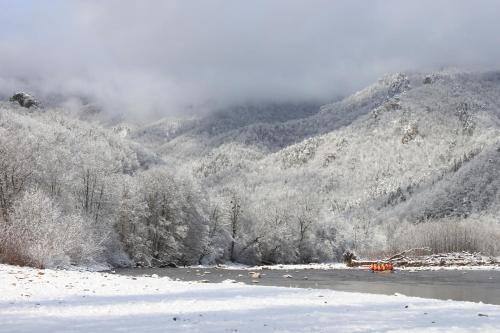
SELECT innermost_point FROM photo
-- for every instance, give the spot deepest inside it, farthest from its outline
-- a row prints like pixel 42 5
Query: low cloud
pixel 162 57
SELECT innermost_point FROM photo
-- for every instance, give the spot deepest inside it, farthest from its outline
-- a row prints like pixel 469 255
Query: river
pixel 460 285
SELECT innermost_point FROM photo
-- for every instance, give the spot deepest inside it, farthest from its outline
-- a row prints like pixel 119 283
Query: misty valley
pixel 411 161
pixel 271 166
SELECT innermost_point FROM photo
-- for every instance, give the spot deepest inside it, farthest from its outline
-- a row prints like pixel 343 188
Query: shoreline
pixel 35 300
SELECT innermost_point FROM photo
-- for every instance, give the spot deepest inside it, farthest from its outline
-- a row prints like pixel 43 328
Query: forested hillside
pixel 412 160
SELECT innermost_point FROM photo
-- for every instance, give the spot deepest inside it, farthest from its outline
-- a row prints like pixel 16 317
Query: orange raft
pixel 381 267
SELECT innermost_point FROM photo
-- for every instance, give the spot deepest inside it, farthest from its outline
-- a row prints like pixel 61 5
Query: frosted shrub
pixel 478 234
pixel 160 222
pixel 40 235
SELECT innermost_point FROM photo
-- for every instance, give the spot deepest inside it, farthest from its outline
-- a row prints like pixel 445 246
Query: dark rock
pixel 348 257
pixel 24 99
pixel 164 265
pixel 393 105
pixel 399 84
pixel 410 132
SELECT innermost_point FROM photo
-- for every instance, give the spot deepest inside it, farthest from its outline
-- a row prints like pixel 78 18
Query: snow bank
pixel 61 301
pixel 306 266
pixel 327 266
pixel 452 268
pixel 236 266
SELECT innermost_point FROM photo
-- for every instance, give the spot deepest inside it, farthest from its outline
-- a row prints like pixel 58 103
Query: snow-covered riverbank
pixel 328 266
pixel 62 301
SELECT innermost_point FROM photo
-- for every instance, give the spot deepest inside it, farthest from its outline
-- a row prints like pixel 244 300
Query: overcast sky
pixel 160 56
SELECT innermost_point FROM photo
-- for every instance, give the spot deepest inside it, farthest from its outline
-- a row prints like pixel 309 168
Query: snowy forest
pixel 413 160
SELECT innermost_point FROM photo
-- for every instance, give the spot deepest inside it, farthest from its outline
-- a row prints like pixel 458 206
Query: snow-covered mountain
pixel 409 148
pixel 412 160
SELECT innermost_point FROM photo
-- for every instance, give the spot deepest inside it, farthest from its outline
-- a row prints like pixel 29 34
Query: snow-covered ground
pixel 452 268
pixel 327 266
pixel 235 266
pixel 69 301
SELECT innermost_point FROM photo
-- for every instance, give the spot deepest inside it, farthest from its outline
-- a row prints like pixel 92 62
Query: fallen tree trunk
pixel 404 259
pixel 414 250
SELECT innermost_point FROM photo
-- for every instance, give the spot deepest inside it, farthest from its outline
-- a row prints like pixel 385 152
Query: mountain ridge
pixel 412 160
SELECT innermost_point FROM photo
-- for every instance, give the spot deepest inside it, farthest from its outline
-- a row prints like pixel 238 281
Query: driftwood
pixel 408 258
pixel 404 253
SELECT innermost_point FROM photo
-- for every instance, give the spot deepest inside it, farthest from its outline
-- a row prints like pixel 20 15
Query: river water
pixel 460 285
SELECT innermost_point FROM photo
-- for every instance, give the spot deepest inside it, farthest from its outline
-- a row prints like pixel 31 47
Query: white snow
pixel 236 266
pixel 40 301
pixel 452 268
pixel 330 266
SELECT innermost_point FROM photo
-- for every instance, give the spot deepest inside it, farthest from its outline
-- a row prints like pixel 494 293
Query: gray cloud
pixel 148 57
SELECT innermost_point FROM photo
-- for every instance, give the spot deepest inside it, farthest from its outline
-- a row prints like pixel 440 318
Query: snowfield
pixel 330 266
pixel 236 266
pixel 39 301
